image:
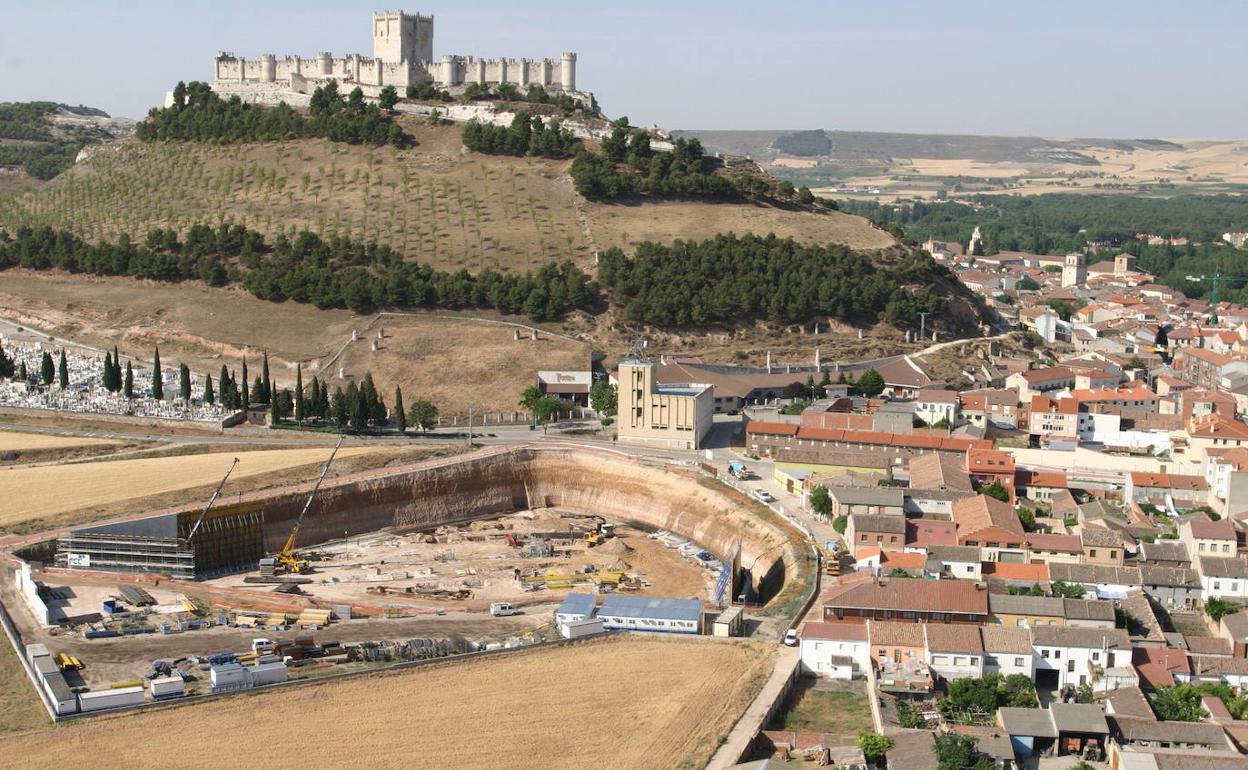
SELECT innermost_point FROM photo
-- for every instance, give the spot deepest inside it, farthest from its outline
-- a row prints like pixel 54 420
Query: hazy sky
pixel 1118 68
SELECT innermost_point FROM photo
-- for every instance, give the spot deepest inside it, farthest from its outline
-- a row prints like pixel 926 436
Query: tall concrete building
pixel 672 415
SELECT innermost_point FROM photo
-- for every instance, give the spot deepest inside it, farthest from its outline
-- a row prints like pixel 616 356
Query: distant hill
pixel 923 166
pixel 872 145
pixel 39 140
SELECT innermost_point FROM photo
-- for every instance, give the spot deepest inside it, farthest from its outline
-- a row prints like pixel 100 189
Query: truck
pixel 501 609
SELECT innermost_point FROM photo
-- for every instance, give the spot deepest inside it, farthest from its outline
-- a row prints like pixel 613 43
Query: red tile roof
pixel 1036 573
pixel 957 596
pixel 836 631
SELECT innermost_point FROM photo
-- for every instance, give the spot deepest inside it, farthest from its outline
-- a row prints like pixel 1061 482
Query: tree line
pixel 629 166
pixel 38 151
pixel 200 115
pixel 744 278
pixel 1060 223
pixel 333 273
pixel 527 135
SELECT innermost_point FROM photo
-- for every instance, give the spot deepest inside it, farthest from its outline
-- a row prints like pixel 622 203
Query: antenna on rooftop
pixel 637 350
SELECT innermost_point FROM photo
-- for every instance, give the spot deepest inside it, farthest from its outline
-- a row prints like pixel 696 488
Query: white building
pixel 649 613
pixel 835 650
pixel 954 650
pixel 932 406
pixel 1225 578
pixel 1008 651
pixel 1080 655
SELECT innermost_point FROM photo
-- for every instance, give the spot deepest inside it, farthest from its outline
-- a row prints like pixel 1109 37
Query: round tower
pixel 546 69
pixel 481 71
pixel 448 71
pixel 325 63
pixel 567 71
pixel 268 67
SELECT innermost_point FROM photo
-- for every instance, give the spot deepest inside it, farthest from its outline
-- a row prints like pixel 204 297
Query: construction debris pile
pixel 412 649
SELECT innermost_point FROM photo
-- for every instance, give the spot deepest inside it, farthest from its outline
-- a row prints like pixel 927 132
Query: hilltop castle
pixel 402 56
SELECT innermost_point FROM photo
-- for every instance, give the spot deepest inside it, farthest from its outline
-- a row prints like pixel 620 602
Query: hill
pixel 39 140
pixel 386 213
pixel 434 202
pixel 873 164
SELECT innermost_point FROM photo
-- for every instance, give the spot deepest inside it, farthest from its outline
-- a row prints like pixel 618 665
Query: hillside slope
pixel 39 140
pixel 435 202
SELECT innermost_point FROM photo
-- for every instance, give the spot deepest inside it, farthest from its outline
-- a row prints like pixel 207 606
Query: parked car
pixel 790 637
pixel 500 609
pixel 764 496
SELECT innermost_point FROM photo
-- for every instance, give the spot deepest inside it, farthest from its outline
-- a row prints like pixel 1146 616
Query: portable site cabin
pixel 730 622
pixel 575 607
pixel 645 613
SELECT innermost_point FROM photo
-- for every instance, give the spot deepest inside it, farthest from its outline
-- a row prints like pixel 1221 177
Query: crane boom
pixel 211 500
pixel 288 550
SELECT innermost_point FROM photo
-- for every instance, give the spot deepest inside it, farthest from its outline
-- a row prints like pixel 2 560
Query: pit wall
pixel 582 480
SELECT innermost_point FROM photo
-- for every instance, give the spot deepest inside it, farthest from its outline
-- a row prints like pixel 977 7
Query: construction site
pixel 425 561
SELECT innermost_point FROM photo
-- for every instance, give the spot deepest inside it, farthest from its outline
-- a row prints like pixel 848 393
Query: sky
pixel 1056 68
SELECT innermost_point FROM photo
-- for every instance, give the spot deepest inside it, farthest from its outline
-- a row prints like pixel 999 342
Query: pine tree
pixel 158 377
pixel 47 369
pixel 246 399
pixel 106 377
pixel 21 374
pixel 299 393
pixel 274 415
pixel 209 396
pixel 184 383
pixel 116 370
pixel 357 407
pixel 258 396
pixel 63 371
pixel 268 386
pixel 400 417
pixel 129 381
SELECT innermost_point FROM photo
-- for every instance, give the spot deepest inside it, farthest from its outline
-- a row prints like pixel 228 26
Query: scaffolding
pixel 229 539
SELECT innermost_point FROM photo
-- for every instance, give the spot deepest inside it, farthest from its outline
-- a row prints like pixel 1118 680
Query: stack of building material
pixel 136 596
pixel 313 617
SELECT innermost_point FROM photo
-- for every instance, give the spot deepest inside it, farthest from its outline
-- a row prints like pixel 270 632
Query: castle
pixel 402 56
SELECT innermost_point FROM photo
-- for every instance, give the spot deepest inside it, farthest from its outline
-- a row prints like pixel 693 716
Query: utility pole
pixel 923 325
pixel 470 408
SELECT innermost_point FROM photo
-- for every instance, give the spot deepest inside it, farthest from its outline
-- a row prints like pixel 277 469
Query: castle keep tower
pixel 399 36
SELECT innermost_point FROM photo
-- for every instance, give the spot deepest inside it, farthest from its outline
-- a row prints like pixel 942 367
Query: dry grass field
pixel 628 702
pixel 20 709
pixel 455 362
pixel 16 441
pixel 46 490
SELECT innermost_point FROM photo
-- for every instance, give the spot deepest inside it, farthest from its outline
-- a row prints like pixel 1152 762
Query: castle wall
pixel 452 71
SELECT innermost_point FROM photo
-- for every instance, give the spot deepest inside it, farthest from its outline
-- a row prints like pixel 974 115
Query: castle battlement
pixel 402 56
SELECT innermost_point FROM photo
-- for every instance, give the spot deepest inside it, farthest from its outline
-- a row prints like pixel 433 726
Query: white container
pixel 267 673
pixel 168 687
pixel 230 675
pixel 578 628
pixel 108 699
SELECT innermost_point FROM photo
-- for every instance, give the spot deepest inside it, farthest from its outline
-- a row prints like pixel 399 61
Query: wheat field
pixel 623 702
pixel 34 492
pixel 11 441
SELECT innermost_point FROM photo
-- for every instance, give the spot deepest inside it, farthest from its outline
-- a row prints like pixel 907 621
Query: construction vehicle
pixel 68 662
pixel 286 559
pixel 600 532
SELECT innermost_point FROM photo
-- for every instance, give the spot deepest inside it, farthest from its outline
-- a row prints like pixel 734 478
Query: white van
pixel 499 609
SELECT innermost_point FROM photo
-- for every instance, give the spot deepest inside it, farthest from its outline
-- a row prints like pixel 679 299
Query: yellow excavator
pixel 287 560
